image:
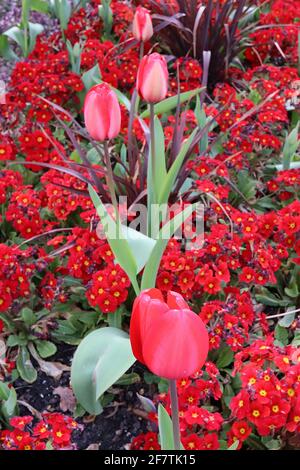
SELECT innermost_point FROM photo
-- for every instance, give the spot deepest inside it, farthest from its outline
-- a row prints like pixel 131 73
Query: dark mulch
pixel 112 430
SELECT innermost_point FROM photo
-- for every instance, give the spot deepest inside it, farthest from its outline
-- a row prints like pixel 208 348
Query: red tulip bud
pixel 167 337
pixel 142 27
pixel 102 113
pixel 152 78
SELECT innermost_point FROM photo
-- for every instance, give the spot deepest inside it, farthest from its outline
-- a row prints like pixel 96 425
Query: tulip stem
pixel 142 49
pixel 175 414
pixel 153 150
pixel 110 178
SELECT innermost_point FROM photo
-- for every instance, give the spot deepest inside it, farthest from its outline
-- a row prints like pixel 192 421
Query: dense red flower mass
pixel 52 432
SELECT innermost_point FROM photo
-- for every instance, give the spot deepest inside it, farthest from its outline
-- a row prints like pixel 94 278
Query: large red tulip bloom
pixel 102 113
pixel 167 337
pixel 153 78
pixel 142 27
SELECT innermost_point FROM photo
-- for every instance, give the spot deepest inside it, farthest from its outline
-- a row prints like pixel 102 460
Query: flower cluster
pixel 52 432
pixel 15 275
pixel 269 400
pixel 274 42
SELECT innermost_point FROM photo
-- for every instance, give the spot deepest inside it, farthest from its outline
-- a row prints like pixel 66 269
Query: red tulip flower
pixel 102 113
pixel 142 27
pixel 153 78
pixel 167 337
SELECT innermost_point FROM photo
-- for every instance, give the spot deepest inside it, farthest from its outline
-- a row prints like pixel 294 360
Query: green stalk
pixel 110 179
pixel 175 414
pixel 151 173
pixel 142 50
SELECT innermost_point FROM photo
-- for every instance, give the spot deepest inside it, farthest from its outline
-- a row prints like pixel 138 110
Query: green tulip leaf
pixel 170 179
pixel 141 246
pixel 101 359
pixel 116 239
pixel 170 103
pixel 91 77
pixel 165 429
pixel 167 231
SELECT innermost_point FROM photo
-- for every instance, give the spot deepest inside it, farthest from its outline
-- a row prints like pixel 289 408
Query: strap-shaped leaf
pixel 167 231
pixel 116 239
pixel 91 77
pixel 34 30
pixel 290 147
pixel 159 165
pixel 17 35
pixel 170 103
pixel 166 430
pixel 174 170
pixel 100 360
pixel 141 246
pixel 132 249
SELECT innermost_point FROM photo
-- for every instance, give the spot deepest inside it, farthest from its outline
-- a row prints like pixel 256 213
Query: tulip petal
pixel 176 344
pixel 146 308
pixel 114 116
pixel 176 301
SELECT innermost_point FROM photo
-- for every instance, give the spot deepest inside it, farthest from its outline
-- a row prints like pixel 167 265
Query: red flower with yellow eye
pixel 241 430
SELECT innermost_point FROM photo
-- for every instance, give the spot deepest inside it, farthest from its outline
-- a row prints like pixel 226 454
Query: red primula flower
pixel 241 430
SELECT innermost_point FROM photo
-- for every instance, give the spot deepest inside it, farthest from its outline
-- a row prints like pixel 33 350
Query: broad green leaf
pixel 4 391
pixel 62 10
pixel 28 316
pixel 5 49
pixel 225 358
pixel 39 5
pixel 141 246
pixel 160 158
pixel 129 379
pixel 17 35
pixel 9 407
pixel 288 319
pixel 101 359
pixel 290 147
pixel 292 289
pixel 175 169
pixel 34 30
pixel 282 335
pixel 25 367
pixel 170 103
pixel 91 77
pixel 25 12
pixel 116 239
pixel 45 348
pixel 7 321
pixel 293 166
pixel 271 301
pixel 202 122
pixel 167 231
pixel 246 185
pixel 165 429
